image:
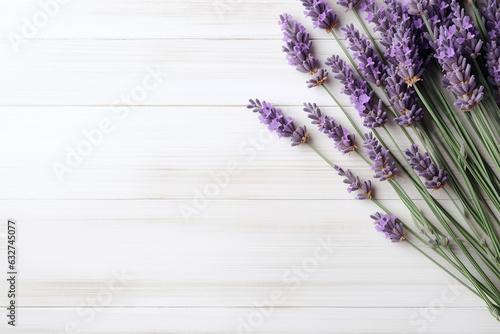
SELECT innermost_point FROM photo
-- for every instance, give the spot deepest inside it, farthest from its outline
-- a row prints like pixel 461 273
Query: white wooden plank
pixel 228 255
pixel 167 153
pixel 154 19
pixel 230 320
pixel 197 72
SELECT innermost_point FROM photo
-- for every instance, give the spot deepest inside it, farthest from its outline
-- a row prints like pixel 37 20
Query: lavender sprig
pixel 435 177
pixel 349 4
pixel 318 79
pixel 406 47
pixel 321 14
pixel 298 45
pixel 390 226
pixel 364 101
pixel 384 166
pixel 418 7
pixel 458 77
pixel 344 141
pixel 403 99
pixel 439 13
pixel 492 58
pixel 371 9
pixel 278 122
pixel 491 15
pixel 467 35
pixel 370 64
pixel 364 188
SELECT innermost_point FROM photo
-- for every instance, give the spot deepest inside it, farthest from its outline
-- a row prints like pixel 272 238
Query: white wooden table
pixel 152 94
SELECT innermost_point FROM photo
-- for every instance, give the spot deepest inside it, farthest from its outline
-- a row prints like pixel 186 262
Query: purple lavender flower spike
pixel 384 166
pixel 318 79
pixel 279 123
pixel 376 116
pixel 368 108
pixel 370 64
pixel 364 188
pixel 418 7
pixel 463 84
pixel 466 34
pixel 458 77
pixel 406 46
pixel 439 13
pixel 453 43
pixel 298 45
pixel 371 9
pixel 403 99
pixel 344 141
pixel 390 226
pixel 405 55
pixel 349 4
pixel 491 15
pixel 435 177
pixel 492 58
pixel 321 14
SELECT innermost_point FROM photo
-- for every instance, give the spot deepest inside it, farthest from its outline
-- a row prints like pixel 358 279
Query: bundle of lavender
pixel 438 73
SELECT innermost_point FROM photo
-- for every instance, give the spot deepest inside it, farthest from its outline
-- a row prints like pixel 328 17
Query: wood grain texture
pixel 108 248
pixel 173 19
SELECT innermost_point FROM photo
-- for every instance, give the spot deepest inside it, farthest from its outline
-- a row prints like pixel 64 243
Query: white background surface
pixel 118 212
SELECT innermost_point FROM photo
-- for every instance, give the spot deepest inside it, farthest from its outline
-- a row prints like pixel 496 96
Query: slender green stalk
pixel 429 199
pixel 429 29
pixel 440 266
pixel 438 210
pixel 432 204
pixel 462 213
pixel 488 96
pixel 479 22
pixel 476 165
pixel 481 212
pixel 321 155
pixel 456 263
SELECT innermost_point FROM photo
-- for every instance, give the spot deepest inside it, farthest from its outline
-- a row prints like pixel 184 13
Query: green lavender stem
pixel 460 265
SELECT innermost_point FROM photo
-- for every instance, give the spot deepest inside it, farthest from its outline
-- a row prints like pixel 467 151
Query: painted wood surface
pixel 153 92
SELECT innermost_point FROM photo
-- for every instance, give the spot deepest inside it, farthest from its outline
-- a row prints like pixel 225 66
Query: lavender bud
pixel 491 16
pixel 458 77
pixel 364 102
pixel 417 7
pixel 344 141
pixel 318 79
pixel 321 14
pixel 349 4
pixel 403 98
pixel 370 64
pixel 298 45
pixel 384 166
pixel 300 136
pixel 466 35
pixel 390 226
pixel 364 188
pixel 435 177
pixel 371 10
pixel 406 46
pixel 277 122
